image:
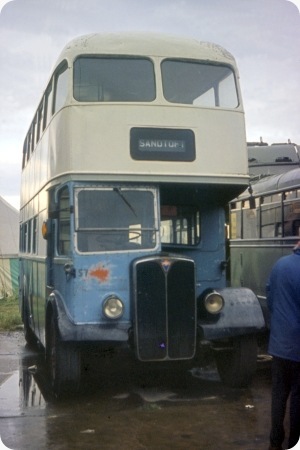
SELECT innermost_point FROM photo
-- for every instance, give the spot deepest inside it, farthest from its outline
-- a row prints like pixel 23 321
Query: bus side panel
pixel 33 295
pixel 95 278
pixel 251 265
pixel 252 261
pixel 41 293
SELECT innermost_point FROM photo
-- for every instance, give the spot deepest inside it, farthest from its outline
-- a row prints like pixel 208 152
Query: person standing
pixel 283 297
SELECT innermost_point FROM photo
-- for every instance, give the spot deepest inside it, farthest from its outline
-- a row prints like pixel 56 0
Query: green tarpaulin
pixel 9 272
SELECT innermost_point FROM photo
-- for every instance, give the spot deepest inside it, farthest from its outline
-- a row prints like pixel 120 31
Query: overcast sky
pixel 263 35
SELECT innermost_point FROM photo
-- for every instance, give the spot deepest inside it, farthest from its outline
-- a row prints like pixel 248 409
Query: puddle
pixel 19 393
pixel 9 397
pixel 158 409
pixel 25 391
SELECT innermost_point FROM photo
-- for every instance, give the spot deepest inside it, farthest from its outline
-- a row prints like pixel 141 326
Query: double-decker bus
pixel 265 225
pixel 136 147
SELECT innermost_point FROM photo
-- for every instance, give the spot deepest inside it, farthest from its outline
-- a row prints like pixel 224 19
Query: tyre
pixel 63 361
pixel 237 365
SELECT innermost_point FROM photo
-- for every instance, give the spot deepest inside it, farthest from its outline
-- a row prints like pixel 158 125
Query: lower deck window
pixel 180 225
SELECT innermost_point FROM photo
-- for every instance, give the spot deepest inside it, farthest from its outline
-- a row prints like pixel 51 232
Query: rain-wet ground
pixel 124 406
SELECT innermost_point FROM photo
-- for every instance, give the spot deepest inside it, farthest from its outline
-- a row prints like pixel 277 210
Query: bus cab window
pixel 115 219
pixel 64 222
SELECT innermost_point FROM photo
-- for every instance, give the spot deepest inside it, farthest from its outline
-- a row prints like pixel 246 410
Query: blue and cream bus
pixel 135 149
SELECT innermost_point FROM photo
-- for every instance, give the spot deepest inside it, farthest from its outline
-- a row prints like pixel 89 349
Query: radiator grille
pixel 165 310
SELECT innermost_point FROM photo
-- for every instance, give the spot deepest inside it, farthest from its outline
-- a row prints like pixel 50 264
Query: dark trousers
pixel 285 382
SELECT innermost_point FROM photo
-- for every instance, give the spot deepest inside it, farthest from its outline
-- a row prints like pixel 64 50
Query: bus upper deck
pixel 139 107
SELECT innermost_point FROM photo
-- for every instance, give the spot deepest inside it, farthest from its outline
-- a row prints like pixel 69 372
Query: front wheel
pixel 63 361
pixel 237 365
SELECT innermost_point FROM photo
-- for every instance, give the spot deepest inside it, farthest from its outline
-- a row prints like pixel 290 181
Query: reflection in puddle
pixel 9 398
pixel 30 393
pixel 154 395
pixel 21 391
pixel 205 373
pixel 129 409
pixel 29 389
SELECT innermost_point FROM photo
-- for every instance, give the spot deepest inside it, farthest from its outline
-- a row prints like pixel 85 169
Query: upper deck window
pixel 199 84
pixel 102 79
pixel 61 87
pixel 48 105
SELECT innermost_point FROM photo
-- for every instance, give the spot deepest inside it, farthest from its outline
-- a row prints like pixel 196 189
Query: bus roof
pixel 272 159
pixel 273 183
pixel 151 44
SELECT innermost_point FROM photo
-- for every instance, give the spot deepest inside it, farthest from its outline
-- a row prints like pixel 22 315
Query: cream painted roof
pixel 158 45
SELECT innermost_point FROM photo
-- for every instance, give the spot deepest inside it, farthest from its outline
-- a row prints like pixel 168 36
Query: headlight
pixel 113 307
pixel 213 302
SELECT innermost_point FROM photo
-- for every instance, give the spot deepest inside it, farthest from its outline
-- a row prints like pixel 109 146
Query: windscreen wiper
pixel 118 190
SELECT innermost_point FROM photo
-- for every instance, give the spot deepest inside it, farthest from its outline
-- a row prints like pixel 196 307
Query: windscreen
pixel 115 219
pixel 102 79
pixel 200 84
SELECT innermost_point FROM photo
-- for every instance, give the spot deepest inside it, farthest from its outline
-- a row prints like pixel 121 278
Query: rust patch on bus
pixel 100 273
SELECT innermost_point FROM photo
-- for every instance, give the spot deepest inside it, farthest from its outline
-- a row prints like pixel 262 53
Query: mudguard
pixel 70 331
pixel 242 314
